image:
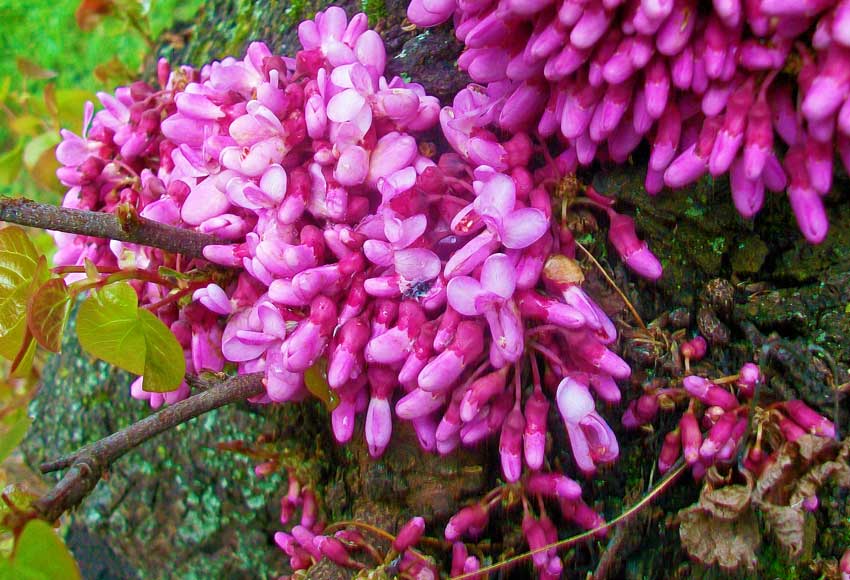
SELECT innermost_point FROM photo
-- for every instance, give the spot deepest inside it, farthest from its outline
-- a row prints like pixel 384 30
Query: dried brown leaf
pixel 809 484
pixel 728 543
pixel 787 524
pixel 726 503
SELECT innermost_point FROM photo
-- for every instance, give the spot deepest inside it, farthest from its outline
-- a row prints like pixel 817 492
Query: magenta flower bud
pixel 537 307
pixel 510 445
pixel 447 328
pixel 590 27
pixel 307 342
pixel 418 403
pixel 553 485
pixel 829 89
pixel 632 250
pixel 717 436
pixel 666 140
pixel 309 510
pixel 669 451
pixel 534 436
pixel 536 538
pixel 844 566
pixel 805 201
pixel 469 521
pixel 676 31
pixel 790 430
pixel 610 111
pixel 523 106
pixel 729 11
pixel 727 452
pixel 691 437
pixel 480 392
pixel 583 515
pixel 459 555
pixel 566 62
pixel 809 419
pixel 692 163
pixel 379 426
pixel 748 377
pixel 747 194
pixel 395 344
pixel 819 164
pixel 646 408
pixel 731 135
pixel 444 369
pixel 409 534
pixel 334 550
pixel 709 393
pixel 694 349
pixel 590 350
pixel 343 363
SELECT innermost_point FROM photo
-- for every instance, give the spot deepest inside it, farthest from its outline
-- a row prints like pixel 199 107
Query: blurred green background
pixel 55 55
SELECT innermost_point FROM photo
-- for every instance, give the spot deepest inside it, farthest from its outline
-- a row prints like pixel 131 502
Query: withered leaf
pixel 810 482
pixel 787 524
pixel 728 543
pixel 727 502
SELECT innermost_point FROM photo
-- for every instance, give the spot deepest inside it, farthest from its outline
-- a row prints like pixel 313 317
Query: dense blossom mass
pixel 707 84
pixel 436 290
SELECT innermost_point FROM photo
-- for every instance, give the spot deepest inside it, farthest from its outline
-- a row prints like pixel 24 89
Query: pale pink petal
pixel 523 227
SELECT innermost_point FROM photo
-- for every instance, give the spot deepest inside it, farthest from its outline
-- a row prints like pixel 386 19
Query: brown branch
pixel 88 464
pixel 137 230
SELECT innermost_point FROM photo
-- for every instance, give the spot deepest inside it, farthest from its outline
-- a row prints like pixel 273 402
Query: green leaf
pixel 108 327
pixel 48 313
pixel 41 555
pixel 165 364
pixel 10 164
pixel 70 103
pixel 26 125
pixel 13 428
pixel 40 159
pixel 18 261
pixel 11 342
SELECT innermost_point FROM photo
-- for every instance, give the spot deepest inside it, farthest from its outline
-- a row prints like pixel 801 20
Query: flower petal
pixel 463 294
pixel 417 265
pixel 498 275
pixel 523 227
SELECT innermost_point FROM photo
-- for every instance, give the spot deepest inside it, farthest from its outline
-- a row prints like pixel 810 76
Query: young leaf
pixel 10 343
pixel 14 428
pixel 41 555
pixel 165 364
pixel 40 159
pixel 18 261
pixel 30 69
pixel 108 327
pixel 10 163
pixel 22 364
pixel 48 313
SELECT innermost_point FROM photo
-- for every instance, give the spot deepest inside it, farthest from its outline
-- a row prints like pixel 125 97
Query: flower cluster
pixel 705 85
pixel 715 427
pixel 435 284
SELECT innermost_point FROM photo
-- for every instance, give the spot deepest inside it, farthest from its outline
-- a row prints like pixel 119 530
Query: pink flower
pixel 492 298
pixel 591 439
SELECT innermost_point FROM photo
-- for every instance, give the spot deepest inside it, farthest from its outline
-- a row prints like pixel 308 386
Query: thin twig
pixel 137 230
pixel 88 464
pixel 613 285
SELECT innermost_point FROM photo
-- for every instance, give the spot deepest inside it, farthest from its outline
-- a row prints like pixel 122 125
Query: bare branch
pixel 137 229
pixel 88 464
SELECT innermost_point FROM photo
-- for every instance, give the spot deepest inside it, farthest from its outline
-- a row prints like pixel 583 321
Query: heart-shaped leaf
pixel 108 327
